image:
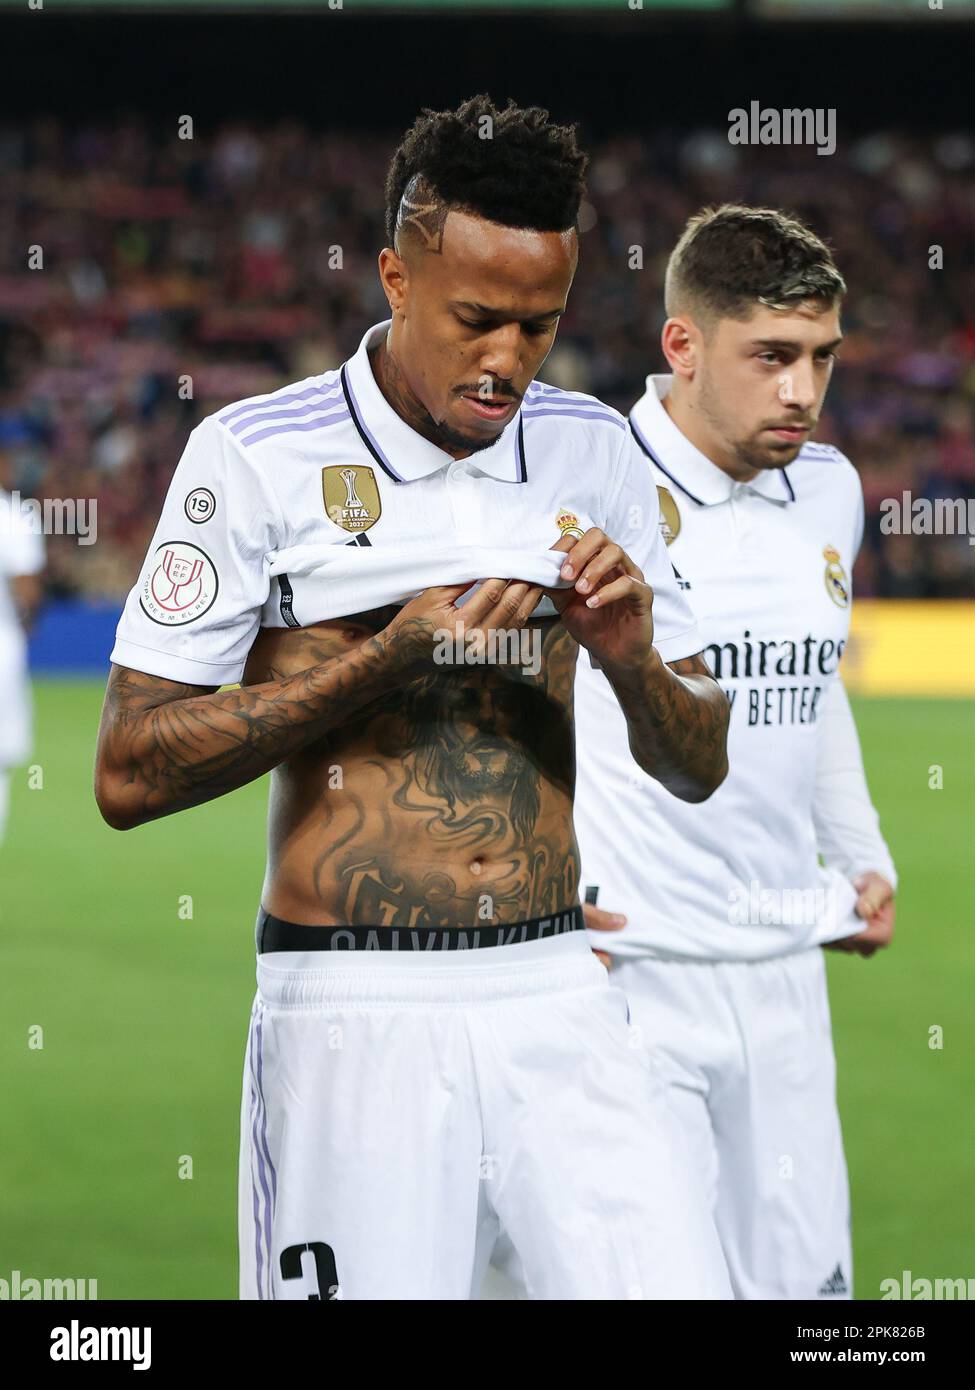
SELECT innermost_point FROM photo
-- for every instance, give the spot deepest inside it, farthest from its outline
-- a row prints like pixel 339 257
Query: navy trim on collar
pixel 676 481
pixel 653 458
pixel 519 450
pixel 384 463
pixel 364 435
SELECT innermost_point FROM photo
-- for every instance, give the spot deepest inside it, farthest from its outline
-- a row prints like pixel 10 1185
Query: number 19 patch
pixel 200 505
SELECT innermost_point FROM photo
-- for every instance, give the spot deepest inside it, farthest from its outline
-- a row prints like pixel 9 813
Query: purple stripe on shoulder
pixel 541 394
pixel 321 423
pixel 560 412
pixel 288 412
pixel 274 400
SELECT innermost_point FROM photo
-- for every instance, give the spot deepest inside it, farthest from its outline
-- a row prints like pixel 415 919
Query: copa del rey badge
pixel 181 584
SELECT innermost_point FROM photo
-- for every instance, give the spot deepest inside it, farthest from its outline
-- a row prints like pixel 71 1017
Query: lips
pixel 491 407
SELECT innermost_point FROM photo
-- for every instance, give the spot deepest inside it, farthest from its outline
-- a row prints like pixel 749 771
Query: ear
pixel 394 278
pixel 681 343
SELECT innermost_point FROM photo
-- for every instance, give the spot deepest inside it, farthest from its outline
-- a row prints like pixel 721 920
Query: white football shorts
pixel 403 1109
pixel 746 1051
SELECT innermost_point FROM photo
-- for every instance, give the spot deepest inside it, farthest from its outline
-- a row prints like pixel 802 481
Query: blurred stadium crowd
pixel 212 260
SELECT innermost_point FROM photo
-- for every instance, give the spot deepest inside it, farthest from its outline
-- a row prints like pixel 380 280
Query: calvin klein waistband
pixel 274 934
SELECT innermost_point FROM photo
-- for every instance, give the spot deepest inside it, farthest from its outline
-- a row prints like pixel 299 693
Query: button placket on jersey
pixel 739 527
pixel 458 484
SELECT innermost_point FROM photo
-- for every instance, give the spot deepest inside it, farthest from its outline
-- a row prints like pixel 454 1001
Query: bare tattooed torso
pixel 447 803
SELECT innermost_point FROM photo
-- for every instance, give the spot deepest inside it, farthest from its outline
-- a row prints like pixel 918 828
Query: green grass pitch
pixel 144 1014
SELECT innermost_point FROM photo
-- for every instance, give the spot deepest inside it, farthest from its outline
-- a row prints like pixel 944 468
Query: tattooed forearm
pixel 677 719
pixel 165 746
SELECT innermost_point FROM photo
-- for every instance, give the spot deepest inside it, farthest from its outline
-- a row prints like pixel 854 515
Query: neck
pixel 687 416
pixel 391 380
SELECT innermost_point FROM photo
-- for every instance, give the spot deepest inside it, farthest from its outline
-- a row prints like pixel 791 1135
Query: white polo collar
pixel 397 448
pixel 690 470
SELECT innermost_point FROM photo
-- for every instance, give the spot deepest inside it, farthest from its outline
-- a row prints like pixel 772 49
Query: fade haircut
pixel 513 166
pixel 731 258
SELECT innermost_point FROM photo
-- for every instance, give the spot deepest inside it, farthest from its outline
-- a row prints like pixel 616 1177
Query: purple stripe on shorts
pixel 288 412
pixel 321 423
pixel 273 401
pixel 255 1200
pixel 264 1143
pixel 558 411
pixel 261 1173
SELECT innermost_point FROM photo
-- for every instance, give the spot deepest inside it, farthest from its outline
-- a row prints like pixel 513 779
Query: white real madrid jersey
pixel 318 501
pixel 766 568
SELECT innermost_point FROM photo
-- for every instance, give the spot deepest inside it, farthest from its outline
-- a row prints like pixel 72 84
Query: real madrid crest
pixel 837 585
pixel 351 496
pixel 669 516
pixel 568 524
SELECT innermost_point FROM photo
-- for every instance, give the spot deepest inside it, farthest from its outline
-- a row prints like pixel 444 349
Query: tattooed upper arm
pixel 133 692
pixel 128 695
pixel 691 666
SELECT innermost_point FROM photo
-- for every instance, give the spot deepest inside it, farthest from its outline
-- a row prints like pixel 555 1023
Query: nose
pixel 797 386
pixel 501 357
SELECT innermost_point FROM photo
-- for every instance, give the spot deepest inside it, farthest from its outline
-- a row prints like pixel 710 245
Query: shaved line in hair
pixel 422 215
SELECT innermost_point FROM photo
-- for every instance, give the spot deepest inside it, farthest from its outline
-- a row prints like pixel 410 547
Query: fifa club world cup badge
pixel 669 516
pixel 181 584
pixel 568 524
pixel 837 585
pixel 351 497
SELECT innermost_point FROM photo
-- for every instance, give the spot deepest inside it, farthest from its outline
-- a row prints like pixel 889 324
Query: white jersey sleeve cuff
pixel 189 670
pixel 677 645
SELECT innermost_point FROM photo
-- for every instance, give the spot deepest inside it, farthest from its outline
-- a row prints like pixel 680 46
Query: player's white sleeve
pixel 847 825
pixel 858 523
pixel 21 542
pixel 195 610
pixel 633 521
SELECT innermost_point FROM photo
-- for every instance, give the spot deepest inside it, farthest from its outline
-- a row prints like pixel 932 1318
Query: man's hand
pixel 598 920
pixel 875 904
pixel 499 605
pixel 676 715
pixel 608 610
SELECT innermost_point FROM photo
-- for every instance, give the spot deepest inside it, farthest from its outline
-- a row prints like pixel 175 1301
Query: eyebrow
pixel 791 343
pixel 500 313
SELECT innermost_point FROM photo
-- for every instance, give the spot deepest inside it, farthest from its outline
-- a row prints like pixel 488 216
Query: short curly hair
pixel 511 166
pixel 732 257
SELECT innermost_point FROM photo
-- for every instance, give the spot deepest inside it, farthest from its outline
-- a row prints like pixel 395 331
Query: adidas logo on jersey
pixel 834 1285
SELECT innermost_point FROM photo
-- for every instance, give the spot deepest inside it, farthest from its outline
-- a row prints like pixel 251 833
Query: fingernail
pixel 592 602
pixel 567 571
pixel 583 586
pixel 618 919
